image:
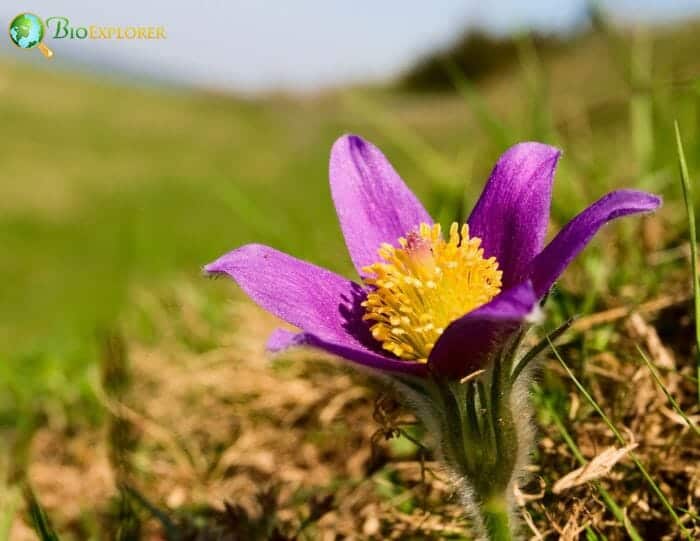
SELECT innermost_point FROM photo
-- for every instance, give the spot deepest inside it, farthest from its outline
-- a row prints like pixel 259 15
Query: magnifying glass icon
pixel 27 31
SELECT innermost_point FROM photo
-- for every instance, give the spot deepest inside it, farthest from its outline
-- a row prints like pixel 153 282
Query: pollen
pixel 420 287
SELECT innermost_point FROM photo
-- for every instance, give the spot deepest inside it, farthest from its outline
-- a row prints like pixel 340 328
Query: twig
pixel 608 316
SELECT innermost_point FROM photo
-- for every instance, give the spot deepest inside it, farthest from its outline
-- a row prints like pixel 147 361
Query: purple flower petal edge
pixel 552 261
pixel 466 344
pixel 373 204
pixel 512 214
pixel 282 339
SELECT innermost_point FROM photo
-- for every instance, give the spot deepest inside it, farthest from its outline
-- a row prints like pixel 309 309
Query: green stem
pixel 496 521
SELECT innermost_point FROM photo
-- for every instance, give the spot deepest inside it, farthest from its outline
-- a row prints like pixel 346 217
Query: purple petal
pixel 298 292
pixel 373 203
pixel 512 213
pixel 549 264
pixel 282 339
pixel 326 306
pixel 467 343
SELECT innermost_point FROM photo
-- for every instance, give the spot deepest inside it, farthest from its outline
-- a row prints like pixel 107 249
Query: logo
pixel 62 29
pixel 27 31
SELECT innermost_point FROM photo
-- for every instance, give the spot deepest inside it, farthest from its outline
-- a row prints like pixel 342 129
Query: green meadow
pixel 110 188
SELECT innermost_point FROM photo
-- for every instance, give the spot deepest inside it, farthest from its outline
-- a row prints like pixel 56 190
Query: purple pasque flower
pixel 425 304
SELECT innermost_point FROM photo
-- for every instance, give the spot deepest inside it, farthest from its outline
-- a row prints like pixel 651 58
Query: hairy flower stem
pixel 480 445
pixel 480 438
pixel 496 519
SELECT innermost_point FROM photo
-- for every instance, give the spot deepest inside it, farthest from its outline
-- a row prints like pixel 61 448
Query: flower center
pixel 419 288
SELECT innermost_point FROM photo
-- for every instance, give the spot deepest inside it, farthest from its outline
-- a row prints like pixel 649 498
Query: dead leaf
pixel 599 467
pixel 642 330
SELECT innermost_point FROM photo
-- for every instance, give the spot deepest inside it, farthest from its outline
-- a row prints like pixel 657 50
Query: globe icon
pixel 27 31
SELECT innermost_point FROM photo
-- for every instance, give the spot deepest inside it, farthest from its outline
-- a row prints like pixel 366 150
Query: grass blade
pixel 489 122
pixel 618 436
pixel 688 196
pixel 539 347
pixel 40 521
pixel 169 526
pixel 414 146
pixel 670 398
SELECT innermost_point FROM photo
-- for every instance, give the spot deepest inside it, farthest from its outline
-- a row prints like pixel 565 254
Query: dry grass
pixel 303 440
pixel 665 444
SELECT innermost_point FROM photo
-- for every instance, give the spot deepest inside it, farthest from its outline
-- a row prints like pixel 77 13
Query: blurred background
pixel 128 164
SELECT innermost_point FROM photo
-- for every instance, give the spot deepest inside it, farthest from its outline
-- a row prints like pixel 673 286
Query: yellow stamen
pixel 419 288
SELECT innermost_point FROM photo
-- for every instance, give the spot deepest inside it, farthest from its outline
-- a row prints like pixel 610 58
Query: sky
pixel 256 45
